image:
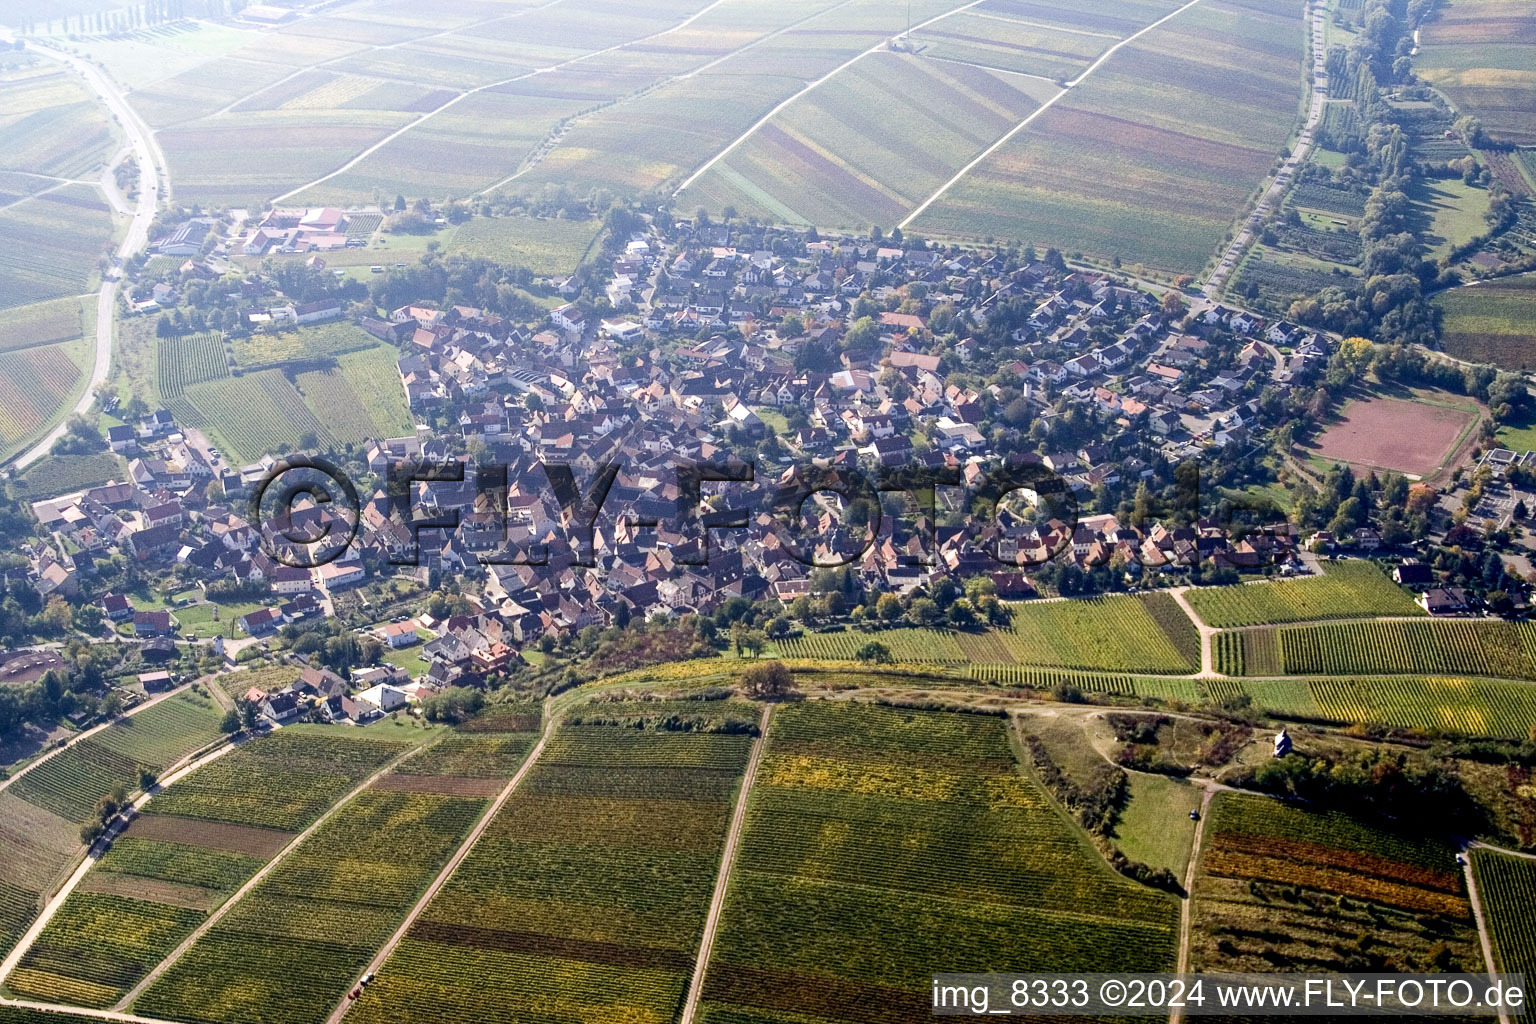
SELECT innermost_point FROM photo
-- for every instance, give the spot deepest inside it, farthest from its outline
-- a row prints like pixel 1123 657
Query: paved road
pixel 1282 181
pixel 146 151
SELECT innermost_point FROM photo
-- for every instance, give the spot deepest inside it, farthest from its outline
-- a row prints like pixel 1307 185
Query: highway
pixel 141 144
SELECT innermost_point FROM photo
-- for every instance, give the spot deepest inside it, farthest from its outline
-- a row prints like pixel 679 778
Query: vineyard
pixel 1348 590
pixel 97 946
pixel 1507 888
pixel 330 396
pixel 69 783
pixel 161 880
pixel 1283 888
pixel 586 897
pixel 189 359
pixel 255 414
pixel 1490 648
pixel 900 840
pixel 34 383
pixel 37 849
pixel 284 781
pixel 49 244
pixel 1160 687
pixel 289 951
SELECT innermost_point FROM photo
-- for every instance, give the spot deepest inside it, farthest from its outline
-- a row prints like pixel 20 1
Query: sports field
pixel 1409 436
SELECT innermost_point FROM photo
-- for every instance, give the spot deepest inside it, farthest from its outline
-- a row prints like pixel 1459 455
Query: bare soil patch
pixel 152 890
pixel 213 835
pixel 1394 433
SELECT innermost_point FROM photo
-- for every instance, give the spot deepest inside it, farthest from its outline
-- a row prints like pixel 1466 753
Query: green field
pixel 137 906
pixel 1149 158
pixel 294 946
pixel 43 323
pixel 1283 889
pixel 1347 590
pixel 1155 827
pixel 64 474
pixel 70 783
pixel 41 813
pixel 545 246
pixel 844 156
pixel 1482 55
pixel 50 245
pixel 1148 633
pixel 301 344
pixel 50 123
pixel 587 895
pixel 1451 212
pixel 1494 322
pixel 1490 648
pixel 1507 888
pixel 256 413
pixel 899 840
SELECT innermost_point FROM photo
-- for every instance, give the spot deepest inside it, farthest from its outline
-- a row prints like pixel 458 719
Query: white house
pixel 384 697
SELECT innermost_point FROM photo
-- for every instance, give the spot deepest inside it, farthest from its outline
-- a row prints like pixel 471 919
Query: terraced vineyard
pixel 1491 648
pixel 1507 888
pixel 204 837
pixel 1282 888
pixel 586 897
pixel 1347 590
pixel 190 359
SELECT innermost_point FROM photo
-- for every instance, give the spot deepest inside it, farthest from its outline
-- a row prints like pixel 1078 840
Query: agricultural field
pixel 1415 436
pixel 1507 888
pixel 302 344
pixel 41 812
pixel 1148 159
pixel 69 783
pixel 546 246
pixel 256 413
pixel 35 383
pixel 902 839
pixel 587 895
pixel 141 902
pixel 338 897
pixel 43 323
pixel 1452 212
pixel 844 156
pixel 1147 633
pixel 1482 55
pixel 50 244
pixel 282 782
pixel 1493 322
pixel 50 123
pixel 38 849
pixel 1488 648
pixel 1468 707
pixel 1143 633
pixel 188 360
pixel 65 474
pixel 1346 590
pixel 288 952
pixel 361 398
pixel 1284 889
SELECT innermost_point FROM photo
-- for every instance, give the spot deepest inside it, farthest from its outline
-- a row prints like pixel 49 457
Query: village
pixel 707 350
